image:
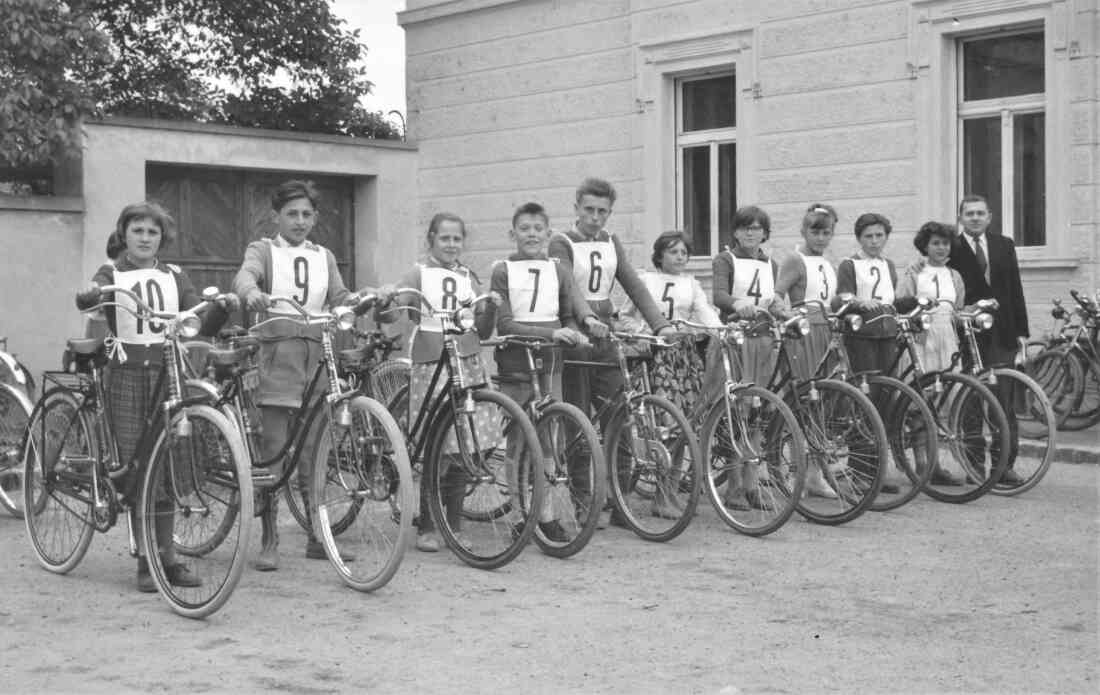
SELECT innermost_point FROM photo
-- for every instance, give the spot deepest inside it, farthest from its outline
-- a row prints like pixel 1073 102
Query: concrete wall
pixel 839 100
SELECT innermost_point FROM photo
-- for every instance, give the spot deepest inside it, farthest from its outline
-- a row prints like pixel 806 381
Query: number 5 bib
pixel 301 273
pixel 157 288
pixel 673 293
pixel 594 267
pixel 752 280
pixel 873 279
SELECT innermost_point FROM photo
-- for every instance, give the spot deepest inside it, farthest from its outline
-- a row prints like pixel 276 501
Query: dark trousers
pixel 993 355
pixel 589 388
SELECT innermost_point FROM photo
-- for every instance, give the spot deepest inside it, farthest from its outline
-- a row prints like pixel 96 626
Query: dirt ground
pixel 996 596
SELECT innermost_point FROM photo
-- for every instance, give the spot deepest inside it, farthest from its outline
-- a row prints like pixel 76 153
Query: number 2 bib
pixel 752 280
pixel 594 267
pixel 157 288
pixel 820 278
pixel 936 283
pixel 533 290
pixel 301 273
pixel 673 294
pixel 446 290
pixel 873 279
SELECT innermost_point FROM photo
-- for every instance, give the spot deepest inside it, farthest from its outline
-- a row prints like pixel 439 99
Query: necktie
pixel 983 262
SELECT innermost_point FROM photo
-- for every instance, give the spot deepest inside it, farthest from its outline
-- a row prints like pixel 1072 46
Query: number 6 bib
pixel 301 273
pixel 594 267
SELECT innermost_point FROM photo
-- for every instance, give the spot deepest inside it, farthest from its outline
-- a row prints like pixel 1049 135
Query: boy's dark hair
pixel 530 209
pixel 972 198
pixel 134 211
pixel 293 190
pixel 596 187
pixel 869 219
pixel 666 241
pixel 440 218
pixel 746 216
pixel 929 230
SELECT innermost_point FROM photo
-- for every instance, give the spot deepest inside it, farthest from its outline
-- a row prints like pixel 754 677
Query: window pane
pixel 727 193
pixel 696 173
pixel 982 163
pixel 1003 66
pixel 708 103
pixel 1029 179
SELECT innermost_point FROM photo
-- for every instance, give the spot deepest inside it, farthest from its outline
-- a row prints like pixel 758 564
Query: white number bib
pixel 673 294
pixel 300 273
pixel 594 267
pixel 820 278
pixel 533 290
pixel 936 283
pixel 157 288
pixel 752 280
pixel 873 279
pixel 446 290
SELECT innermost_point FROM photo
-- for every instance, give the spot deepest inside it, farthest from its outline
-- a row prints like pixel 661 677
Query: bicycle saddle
pixel 84 346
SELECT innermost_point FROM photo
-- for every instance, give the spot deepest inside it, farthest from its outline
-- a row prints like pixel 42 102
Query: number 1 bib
pixel 873 279
pixel 446 290
pixel 820 278
pixel 936 283
pixel 157 288
pixel 673 294
pixel 533 290
pixel 301 273
pixel 752 279
pixel 594 267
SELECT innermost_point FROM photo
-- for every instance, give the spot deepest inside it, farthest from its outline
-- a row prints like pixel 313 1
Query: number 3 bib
pixel 820 278
pixel 157 288
pixel 873 279
pixel 301 273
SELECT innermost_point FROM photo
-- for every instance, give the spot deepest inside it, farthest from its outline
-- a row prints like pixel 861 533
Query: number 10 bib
pixel 301 273
pixel 157 288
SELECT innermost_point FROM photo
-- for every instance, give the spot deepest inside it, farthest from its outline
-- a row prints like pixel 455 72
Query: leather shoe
pixel 316 551
pixel 180 574
pixel 942 477
pixel 1011 478
pixel 145 582
pixel 553 531
pixel 757 502
pixel 736 501
pixel 890 488
pixel 427 543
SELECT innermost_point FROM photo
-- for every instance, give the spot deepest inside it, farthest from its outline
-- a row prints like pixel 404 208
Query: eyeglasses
pixel 754 228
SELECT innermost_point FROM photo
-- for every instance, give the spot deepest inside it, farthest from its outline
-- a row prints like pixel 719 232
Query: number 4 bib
pixel 157 288
pixel 301 273
pixel 752 279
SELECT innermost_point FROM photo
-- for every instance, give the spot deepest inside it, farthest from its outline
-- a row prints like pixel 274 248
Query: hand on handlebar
pixel 569 336
pixel 258 301
pixel 229 302
pixel 597 328
pixel 88 296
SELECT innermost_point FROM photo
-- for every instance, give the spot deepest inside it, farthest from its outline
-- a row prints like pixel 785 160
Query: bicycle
pixel 747 426
pixel 361 493
pixel 845 436
pixel 967 414
pixel 1031 413
pixel 574 464
pixel 1068 365
pixel 16 387
pixel 654 458
pixel 76 483
pixel 475 488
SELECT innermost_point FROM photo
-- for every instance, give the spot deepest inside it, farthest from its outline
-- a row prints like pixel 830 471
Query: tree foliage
pixel 285 64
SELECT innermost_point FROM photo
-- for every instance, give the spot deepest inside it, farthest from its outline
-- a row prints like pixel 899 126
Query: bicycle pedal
pixel 263 479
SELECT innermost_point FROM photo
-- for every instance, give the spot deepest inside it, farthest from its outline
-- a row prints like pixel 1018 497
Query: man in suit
pixel 989 269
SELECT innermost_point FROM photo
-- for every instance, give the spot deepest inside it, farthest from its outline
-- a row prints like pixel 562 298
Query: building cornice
pixel 448 8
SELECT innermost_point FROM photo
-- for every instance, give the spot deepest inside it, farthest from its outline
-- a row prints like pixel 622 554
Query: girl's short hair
pixel 665 242
pixel 293 190
pixel 746 216
pixel 819 216
pixel 439 219
pixel 136 211
pixel 932 229
pixel 869 219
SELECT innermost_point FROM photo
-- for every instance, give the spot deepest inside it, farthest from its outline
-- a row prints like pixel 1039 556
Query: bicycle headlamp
pixel 983 321
pixel 924 322
pixel 345 317
pixel 798 327
pixel 463 319
pixel 188 325
pixel 854 321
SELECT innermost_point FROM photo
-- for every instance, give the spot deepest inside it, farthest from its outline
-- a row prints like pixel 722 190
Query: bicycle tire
pixel 666 441
pixel 496 540
pixel 1036 420
pixel 780 451
pixel 372 487
pixel 388 378
pixel 911 429
pixel 1062 379
pixel 949 403
pixel 58 512
pixel 846 441
pixel 1087 410
pixel 15 414
pixel 577 484
pixel 210 447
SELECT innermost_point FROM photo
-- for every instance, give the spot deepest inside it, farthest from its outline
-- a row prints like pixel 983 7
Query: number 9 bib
pixel 301 273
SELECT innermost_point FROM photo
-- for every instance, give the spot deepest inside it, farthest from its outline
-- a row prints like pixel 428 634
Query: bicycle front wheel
pixel 59 452
pixel 388 378
pixel 15 413
pixel 198 454
pixel 1037 429
pixel 656 467
pixel 1087 411
pixel 483 472
pixel 577 475
pixel 846 449
pixel 361 474
pixel 755 457
pixel 1062 378
pixel 914 442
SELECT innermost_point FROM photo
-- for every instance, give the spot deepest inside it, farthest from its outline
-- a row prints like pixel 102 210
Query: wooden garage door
pixel 219 211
